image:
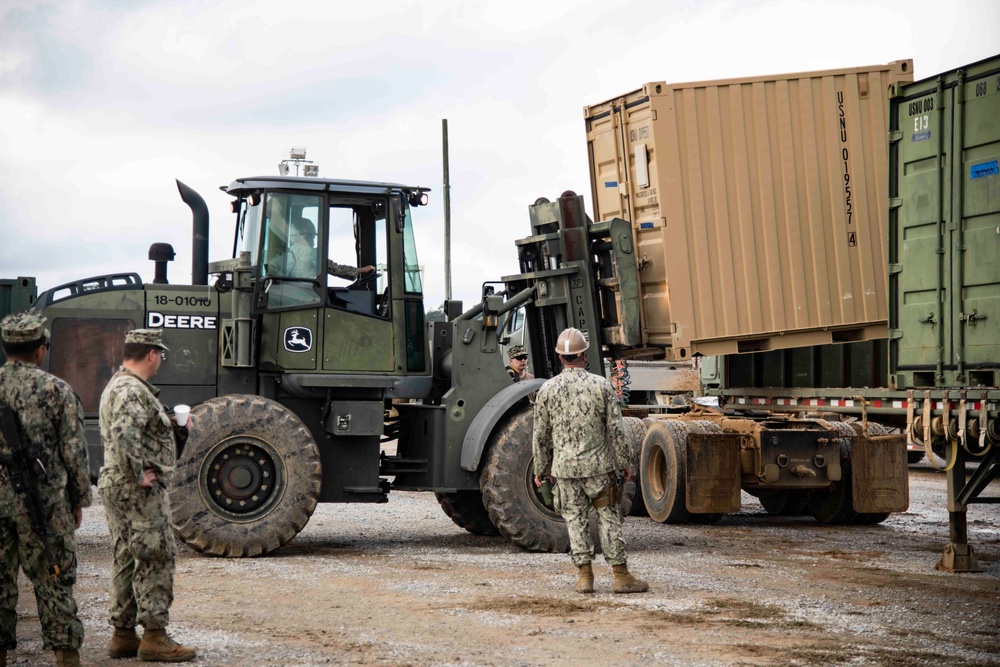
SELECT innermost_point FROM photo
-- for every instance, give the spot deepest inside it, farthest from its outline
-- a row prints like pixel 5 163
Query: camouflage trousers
pixel 57 611
pixel 574 501
pixel 142 542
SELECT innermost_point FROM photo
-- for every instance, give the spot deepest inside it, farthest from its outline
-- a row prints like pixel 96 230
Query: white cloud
pixel 103 104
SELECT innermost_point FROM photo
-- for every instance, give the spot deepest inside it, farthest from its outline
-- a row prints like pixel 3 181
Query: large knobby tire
pixel 466 509
pixel 514 503
pixel 249 478
pixel 635 432
pixel 507 483
pixel 836 505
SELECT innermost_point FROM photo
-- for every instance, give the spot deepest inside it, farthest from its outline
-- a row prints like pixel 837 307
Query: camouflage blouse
pixel 578 427
pixel 52 420
pixel 135 431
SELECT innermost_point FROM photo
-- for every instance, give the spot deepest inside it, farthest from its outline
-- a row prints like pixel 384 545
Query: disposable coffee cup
pixel 182 412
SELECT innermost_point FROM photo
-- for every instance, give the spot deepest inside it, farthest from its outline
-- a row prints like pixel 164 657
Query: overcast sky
pixel 104 102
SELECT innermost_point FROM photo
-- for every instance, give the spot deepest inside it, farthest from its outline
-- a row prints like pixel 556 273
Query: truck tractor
pixel 309 386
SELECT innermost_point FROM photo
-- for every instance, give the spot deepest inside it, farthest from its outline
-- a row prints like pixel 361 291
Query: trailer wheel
pixel 914 457
pixel 871 518
pixel 836 505
pixel 249 478
pixel 784 502
pixel 466 509
pixel 509 494
pixel 635 432
pixel 662 472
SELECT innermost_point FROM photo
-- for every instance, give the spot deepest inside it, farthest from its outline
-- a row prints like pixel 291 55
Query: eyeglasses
pixel 47 344
pixel 521 357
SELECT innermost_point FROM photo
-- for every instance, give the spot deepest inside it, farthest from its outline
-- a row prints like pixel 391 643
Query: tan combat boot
pixel 585 581
pixel 626 583
pixel 157 646
pixel 67 658
pixel 124 643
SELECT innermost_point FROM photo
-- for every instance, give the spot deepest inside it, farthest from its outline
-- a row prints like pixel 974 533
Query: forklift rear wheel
pixel 466 509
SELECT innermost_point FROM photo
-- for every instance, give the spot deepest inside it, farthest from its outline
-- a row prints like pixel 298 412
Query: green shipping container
pixel 16 295
pixel 944 229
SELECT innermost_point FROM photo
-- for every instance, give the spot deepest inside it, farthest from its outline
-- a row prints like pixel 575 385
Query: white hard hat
pixel 571 341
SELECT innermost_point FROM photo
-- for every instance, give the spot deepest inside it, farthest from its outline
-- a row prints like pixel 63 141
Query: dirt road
pixel 399 584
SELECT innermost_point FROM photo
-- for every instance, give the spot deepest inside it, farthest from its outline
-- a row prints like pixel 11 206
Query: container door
pixel 975 238
pixel 917 237
pixel 609 169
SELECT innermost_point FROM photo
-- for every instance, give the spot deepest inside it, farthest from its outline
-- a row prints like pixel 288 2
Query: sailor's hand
pixel 148 477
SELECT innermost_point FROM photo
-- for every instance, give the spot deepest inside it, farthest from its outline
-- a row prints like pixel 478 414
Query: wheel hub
pixel 241 477
pixel 656 480
pixel 536 493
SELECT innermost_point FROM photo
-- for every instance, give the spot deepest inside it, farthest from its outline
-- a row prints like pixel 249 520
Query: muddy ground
pixel 400 584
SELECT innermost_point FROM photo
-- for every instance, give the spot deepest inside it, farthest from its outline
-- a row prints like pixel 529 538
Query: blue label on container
pixel 921 136
pixel 611 184
pixel 984 169
pixel 645 225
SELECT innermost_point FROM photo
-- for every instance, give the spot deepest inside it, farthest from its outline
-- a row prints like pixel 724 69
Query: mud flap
pixel 713 472
pixel 879 474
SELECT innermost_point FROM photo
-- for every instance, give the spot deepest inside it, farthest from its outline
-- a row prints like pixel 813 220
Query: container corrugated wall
pixel 945 229
pixel 759 206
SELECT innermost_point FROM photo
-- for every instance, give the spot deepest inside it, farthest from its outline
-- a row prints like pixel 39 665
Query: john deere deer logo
pixel 298 339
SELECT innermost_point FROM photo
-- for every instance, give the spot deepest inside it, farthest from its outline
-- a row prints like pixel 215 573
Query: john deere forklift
pixel 311 380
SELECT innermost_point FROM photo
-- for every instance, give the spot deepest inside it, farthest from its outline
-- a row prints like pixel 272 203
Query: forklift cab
pixel 307 238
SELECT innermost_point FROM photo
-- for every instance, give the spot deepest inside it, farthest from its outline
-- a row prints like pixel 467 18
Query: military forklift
pixel 307 387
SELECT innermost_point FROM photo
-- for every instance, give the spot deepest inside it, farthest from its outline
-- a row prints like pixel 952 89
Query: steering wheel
pixel 365 280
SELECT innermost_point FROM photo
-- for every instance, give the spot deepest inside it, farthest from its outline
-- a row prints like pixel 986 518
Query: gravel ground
pixel 399 584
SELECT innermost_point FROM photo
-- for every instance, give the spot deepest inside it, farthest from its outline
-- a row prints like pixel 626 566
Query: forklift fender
pixel 487 419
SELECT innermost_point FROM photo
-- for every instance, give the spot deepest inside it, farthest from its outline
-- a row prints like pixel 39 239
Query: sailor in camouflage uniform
pixel 139 457
pixel 518 367
pixel 51 422
pixel 579 439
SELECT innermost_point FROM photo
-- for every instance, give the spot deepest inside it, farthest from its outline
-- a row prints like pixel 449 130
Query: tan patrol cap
pixel 146 337
pixel 26 327
pixel 515 351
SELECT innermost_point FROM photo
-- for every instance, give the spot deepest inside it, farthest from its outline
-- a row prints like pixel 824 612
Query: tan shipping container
pixel 759 206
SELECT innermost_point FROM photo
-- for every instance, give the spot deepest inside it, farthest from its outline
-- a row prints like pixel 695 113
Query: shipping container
pixel 757 205
pixel 16 294
pixel 944 240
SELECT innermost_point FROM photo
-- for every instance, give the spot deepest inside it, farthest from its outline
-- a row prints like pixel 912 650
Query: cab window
pixel 290 249
pixel 359 267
